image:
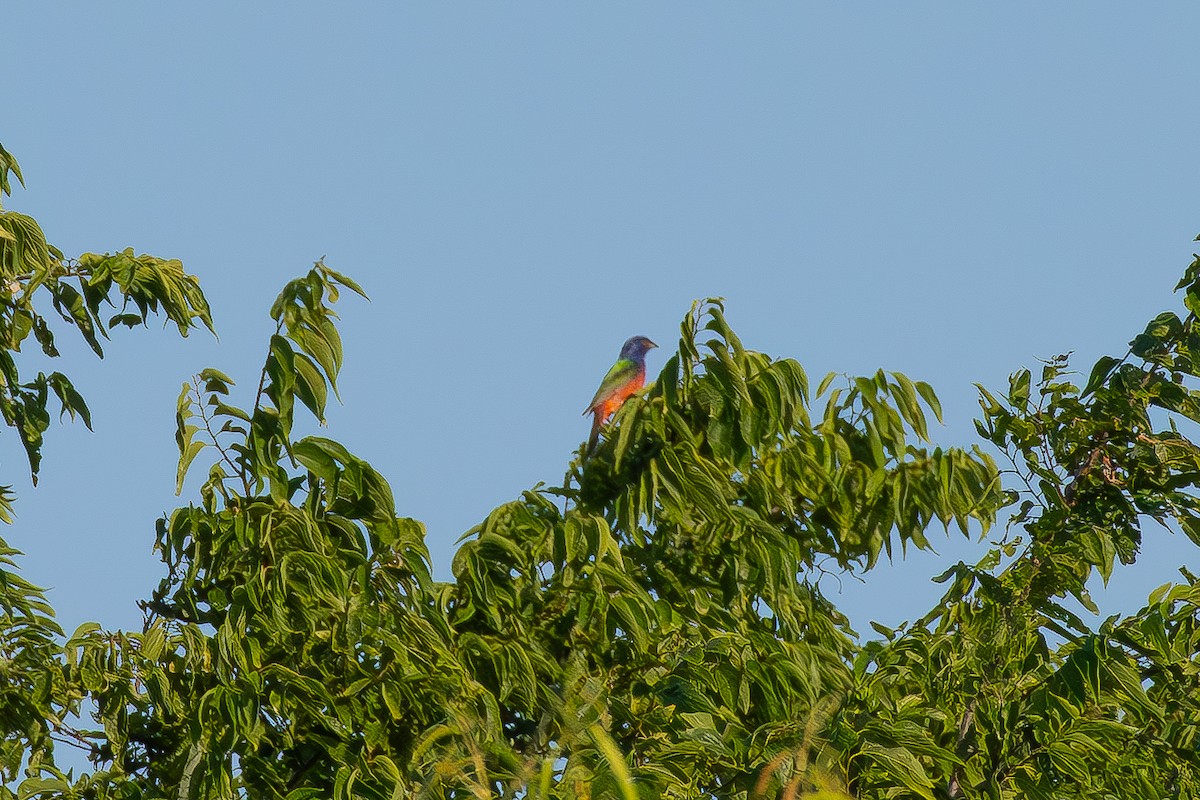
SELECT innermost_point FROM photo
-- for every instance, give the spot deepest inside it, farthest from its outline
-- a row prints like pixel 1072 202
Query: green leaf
pixel 615 760
pixel 72 402
pixel 342 279
pixel 310 386
pixel 931 400
pixel 8 164
pixel 1100 372
pixel 185 460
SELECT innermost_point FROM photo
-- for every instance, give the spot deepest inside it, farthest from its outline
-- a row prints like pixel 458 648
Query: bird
pixel 625 378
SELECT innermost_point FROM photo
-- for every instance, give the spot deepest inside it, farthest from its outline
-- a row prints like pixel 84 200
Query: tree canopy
pixel 654 626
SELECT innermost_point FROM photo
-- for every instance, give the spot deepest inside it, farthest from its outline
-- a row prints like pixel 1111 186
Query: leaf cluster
pixel 656 626
pixel 35 274
pixel 1010 693
pixel 680 585
pixel 40 289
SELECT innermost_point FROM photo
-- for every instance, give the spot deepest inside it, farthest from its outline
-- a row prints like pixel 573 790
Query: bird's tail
pixel 594 436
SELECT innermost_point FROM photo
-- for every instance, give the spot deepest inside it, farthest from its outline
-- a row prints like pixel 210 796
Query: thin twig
pixel 241 473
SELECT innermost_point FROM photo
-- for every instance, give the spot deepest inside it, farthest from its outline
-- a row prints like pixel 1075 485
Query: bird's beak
pixel 652 344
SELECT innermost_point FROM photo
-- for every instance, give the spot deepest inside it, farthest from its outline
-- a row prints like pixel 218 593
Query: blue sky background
pixel 947 190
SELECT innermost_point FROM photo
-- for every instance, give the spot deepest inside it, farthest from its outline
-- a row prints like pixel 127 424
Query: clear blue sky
pixel 950 190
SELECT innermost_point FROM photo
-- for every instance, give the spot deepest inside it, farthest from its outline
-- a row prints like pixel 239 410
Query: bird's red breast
pixel 609 404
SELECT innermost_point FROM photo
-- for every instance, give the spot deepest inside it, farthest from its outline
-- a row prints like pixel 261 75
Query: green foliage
pixel 39 690
pixel 678 591
pixel 8 166
pixel 653 628
pixel 32 688
pixel 1014 695
pixel 296 598
pixel 33 273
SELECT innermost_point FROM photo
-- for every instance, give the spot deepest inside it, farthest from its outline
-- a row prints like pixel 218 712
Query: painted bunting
pixel 624 379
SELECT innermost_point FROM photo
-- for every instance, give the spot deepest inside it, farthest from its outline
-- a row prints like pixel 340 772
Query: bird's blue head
pixel 635 349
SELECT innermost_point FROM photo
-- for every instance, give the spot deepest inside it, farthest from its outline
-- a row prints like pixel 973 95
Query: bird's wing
pixel 620 374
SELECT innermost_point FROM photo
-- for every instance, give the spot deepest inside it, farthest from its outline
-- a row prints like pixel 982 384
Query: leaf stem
pixel 240 472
